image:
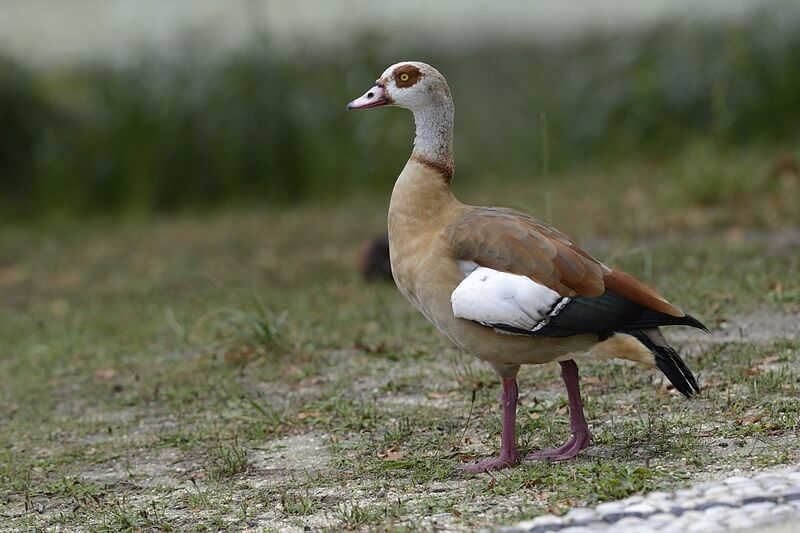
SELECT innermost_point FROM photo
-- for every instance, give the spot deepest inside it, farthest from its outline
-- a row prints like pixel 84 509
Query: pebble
pixel 776 488
pixel 641 508
pixel 581 514
pixel 751 490
pixel 736 480
pixel 630 521
pixel 784 509
pixel 716 490
pixel 678 526
pixel 757 509
pixel 738 521
pixel 660 518
pixel 717 512
pixel 737 502
pixel 577 529
pixel 610 507
pixel 704 525
pixel 687 493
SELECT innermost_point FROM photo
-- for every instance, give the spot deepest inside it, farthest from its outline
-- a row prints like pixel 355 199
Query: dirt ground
pixel 233 372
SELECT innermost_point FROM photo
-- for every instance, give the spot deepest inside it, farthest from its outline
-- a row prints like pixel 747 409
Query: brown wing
pixel 510 241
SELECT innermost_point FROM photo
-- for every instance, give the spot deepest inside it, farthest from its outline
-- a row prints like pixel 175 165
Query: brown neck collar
pixel 445 170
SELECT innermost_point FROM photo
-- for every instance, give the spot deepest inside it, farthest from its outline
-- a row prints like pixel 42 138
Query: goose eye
pixel 404 77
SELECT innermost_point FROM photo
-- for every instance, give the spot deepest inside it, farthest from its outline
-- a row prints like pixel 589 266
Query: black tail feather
pixel 652 319
pixel 669 362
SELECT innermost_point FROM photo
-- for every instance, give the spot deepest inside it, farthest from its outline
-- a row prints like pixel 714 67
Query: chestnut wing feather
pixel 510 241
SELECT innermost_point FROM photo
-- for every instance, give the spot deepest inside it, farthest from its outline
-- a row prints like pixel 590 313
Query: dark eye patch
pixel 406 76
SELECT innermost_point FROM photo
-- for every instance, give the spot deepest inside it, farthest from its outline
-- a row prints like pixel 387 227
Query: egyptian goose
pixel 504 286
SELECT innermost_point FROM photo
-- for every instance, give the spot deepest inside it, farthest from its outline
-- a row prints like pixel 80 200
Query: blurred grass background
pixel 693 99
pixel 182 213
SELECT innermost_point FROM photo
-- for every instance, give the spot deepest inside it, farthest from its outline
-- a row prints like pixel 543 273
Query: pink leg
pixel 580 429
pixel 508 439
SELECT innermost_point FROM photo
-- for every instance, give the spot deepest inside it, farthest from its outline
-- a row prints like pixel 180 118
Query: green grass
pixel 232 370
pixel 229 460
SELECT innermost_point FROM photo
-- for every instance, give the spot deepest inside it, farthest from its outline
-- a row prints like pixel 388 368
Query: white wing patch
pixel 491 298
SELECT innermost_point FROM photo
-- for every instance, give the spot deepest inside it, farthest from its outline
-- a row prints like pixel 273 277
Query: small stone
pixel 716 490
pixel 761 498
pixel 634 499
pixel 757 510
pixel 729 500
pixel 642 528
pixel 690 502
pixel 525 525
pixel 578 529
pixel 663 505
pixel 629 521
pixel 642 508
pixel 718 511
pixel 581 514
pixel 677 510
pixel 748 491
pixel 711 504
pixel 736 480
pixel 677 526
pixel 739 521
pixel 705 526
pixel 784 509
pixel 609 508
pixel 776 488
pixel 758 506
pixel 686 493
pixel 793 477
pixel 613 518
pixel 691 515
pixel 545 520
pixel 659 518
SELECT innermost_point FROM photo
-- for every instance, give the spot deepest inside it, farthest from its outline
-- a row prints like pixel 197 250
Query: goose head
pixel 409 84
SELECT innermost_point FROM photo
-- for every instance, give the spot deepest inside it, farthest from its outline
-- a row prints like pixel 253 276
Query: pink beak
pixel 373 98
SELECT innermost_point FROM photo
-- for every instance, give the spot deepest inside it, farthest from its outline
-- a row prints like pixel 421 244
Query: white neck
pixel 434 139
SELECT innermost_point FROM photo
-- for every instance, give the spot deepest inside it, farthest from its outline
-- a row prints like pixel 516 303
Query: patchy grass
pixel 233 372
pixel 230 460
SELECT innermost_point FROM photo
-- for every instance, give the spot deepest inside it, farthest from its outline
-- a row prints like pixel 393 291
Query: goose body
pixel 502 285
pixel 430 276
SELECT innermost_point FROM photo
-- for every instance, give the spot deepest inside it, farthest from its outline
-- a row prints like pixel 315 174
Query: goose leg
pixel 580 429
pixel 508 439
